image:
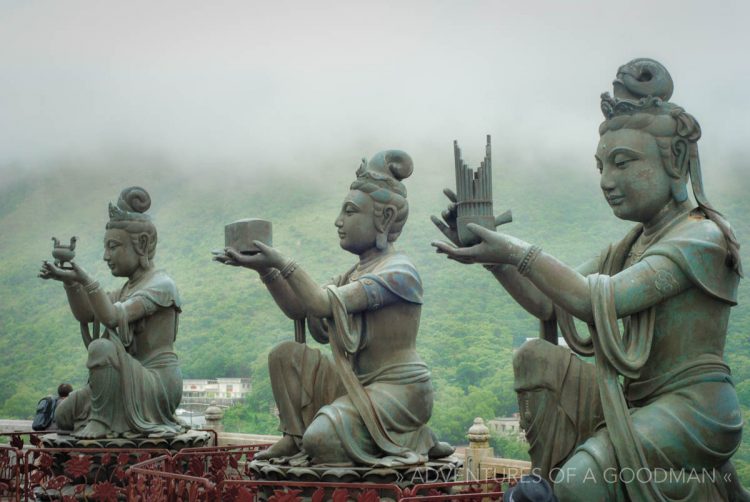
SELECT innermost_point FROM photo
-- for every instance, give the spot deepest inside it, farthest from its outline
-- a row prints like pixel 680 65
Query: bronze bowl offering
pixel 240 234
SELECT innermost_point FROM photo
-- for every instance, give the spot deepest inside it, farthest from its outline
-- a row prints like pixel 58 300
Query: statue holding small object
pixel 672 280
pixel 367 403
pixel 135 383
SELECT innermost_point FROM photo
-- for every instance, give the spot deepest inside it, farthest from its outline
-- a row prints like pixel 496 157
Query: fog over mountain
pixel 288 86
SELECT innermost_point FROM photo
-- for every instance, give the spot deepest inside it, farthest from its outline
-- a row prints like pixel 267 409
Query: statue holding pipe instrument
pixel 659 399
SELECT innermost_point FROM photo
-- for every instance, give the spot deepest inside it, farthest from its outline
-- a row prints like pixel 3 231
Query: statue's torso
pixel 390 331
pixel 690 328
pixel 155 333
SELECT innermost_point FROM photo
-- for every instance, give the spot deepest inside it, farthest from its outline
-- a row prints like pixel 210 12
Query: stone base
pixel 189 439
pixel 443 470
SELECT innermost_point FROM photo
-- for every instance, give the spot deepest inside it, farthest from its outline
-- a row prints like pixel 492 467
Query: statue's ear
pixel 389 216
pixel 681 156
pixel 142 248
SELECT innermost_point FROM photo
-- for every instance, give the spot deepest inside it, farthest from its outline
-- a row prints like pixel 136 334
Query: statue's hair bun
pixel 134 199
pixel 399 164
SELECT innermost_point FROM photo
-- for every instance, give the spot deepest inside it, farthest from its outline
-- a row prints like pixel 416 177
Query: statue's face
pixel 633 179
pixel 356 223
pixel 119 253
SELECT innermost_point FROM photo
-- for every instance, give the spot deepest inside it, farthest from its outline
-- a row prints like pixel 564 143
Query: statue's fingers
pixel 450 194
pixel 504 218
pixel 448 215
pixel 232 253
pixel 447 231
pixel 481 232
pixel 264 248
pixel 447 248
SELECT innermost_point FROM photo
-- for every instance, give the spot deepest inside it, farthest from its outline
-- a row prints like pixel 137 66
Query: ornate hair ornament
pixel 381 176
pixel 132 204
pixel 641 86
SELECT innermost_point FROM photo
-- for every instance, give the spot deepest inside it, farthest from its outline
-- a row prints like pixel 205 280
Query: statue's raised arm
pixel 672 281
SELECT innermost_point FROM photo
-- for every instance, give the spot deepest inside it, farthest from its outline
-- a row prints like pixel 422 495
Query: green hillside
pixel 469 326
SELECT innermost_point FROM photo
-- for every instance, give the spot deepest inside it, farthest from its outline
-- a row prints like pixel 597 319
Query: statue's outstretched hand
pixel 494 248
pixel 266 258
pixel 448 224
pixel 67 275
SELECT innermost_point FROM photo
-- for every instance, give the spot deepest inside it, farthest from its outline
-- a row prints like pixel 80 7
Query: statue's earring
pixel 679 190
pixel 381 241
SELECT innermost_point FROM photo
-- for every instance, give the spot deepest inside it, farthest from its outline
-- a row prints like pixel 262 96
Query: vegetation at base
pixel 469 328
pixel 508 446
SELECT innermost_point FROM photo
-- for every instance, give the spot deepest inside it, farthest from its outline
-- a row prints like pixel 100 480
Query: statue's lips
pixel 341 235
pixel 615 200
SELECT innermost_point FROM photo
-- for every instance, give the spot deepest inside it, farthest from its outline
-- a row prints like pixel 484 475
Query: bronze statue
pixel 675 420
pixel 368 404
pixel 135 384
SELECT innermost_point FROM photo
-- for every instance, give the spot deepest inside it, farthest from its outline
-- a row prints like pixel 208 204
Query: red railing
pixel 193 474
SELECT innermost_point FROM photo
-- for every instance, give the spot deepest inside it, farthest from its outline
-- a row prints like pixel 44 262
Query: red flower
pixel 319 495
pixel 234 460
pixel 123 459
pixel 340 495
pixel 56 483
pixel 195 467
pixel 106 459
pixel 105 492
pixel 282 496
pixel 244 496
pixel 120 473
pixel 78 466
pixel 368 496
pixel 45 461
pixel 36 477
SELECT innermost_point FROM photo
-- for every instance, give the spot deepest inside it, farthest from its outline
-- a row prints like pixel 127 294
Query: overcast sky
pixel 281 81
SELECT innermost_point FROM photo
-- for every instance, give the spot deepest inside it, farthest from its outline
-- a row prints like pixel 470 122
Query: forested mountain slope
pixel 469 326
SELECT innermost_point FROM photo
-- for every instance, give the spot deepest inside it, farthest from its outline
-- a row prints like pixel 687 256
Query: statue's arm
pixel 650 281
pixel 106 311
pixel 79 304
pixel 526 294
pixel 283 294
pixel 315 300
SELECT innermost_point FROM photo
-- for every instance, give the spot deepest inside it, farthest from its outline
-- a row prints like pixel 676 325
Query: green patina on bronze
pixel 659 399
pixel 135 384
pixel 367 403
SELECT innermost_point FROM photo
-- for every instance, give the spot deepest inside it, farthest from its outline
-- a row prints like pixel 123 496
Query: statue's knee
pixel 532 352
pixel 573 477
pixel 102 352
pixel 281 353
pixel 321 442
pixel 583 477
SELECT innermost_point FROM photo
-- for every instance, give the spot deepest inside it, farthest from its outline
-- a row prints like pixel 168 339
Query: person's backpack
pixel 45 413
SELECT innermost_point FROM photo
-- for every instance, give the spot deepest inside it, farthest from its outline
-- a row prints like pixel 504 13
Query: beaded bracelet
pixel 270 276
pixel 91 287
pixel 290 267
pixel 72 287
pixel 528 259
